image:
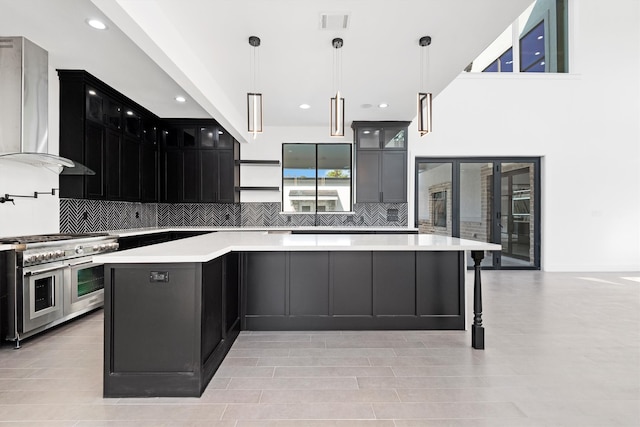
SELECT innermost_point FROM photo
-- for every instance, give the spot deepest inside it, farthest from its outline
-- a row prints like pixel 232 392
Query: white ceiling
pixel 157 49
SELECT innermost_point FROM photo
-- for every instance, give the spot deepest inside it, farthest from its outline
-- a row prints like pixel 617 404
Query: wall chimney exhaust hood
pixel 24 93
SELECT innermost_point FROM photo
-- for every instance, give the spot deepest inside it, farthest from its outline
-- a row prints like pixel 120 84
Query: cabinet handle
pixel 381 196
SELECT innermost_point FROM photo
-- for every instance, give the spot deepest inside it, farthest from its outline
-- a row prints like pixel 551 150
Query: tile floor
pixel 563 349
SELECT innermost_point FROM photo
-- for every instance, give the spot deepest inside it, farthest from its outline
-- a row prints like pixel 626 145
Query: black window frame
pixel 317 145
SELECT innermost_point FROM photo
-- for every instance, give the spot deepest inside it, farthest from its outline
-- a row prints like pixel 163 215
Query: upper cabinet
pixel 136 156
pixel 107 132
pixel 199 162
pixel 381 161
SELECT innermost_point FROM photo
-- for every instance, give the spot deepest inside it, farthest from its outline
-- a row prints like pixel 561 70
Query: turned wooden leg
pixel 477 330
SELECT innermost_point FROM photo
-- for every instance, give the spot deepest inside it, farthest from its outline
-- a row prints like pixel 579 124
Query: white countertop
pixel 210 246
pixel 143 231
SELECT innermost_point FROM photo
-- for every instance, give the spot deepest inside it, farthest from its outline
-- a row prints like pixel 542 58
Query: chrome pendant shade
pixel 424 97
pixel 254 99
pixel 337 102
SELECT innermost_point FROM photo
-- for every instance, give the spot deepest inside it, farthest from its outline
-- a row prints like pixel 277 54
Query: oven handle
pixel 43 270
pixel 89 261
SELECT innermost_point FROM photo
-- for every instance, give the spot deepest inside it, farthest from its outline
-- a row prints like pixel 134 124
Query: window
pixel 542 48
pixel 504 64
pixel 532 50
pixel 316 178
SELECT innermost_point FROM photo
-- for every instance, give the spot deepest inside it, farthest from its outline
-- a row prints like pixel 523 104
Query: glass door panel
pixel 517 219
pixel 476 206
pixel 435 208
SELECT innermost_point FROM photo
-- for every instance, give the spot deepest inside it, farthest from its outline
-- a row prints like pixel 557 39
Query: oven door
pixel 84 286
pixel 41 296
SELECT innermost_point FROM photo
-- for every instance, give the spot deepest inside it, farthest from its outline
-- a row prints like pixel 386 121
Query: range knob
pixel 39 257
pixel 59 253
pixel 79 250
pixel 48 255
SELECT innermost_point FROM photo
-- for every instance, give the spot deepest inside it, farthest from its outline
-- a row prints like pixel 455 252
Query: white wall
pixel 585 125
pixel 32 216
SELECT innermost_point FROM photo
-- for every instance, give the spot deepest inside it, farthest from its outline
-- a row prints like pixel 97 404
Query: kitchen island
pixel 173 310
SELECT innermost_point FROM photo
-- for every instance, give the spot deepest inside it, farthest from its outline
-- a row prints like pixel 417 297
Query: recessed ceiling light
pixel 366 105
pixel 181 99
pixel 130 113
pixel 305 106
pixel 540 37
pixel 383 105
pixel 220 132
pixel 97 24
pixel 92 92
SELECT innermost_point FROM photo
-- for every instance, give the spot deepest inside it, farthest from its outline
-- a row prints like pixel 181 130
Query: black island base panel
pixel 168 326
pixel 353 290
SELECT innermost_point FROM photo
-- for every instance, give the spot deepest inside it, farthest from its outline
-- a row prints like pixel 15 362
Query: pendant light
pixel 337 103
pixel 254 99
pixel 424 97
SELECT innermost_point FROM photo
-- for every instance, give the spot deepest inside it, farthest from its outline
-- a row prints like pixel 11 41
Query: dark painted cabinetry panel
pixel 351 283
pixel 353 290
pixel 212 327
pixel 266 281
pixel 394 283
pixel 381 161
pixel 148 340
pixel 103 130
pixel 438 291
pixel 207 171
pixel 167 326
pixel 135 153
pixel 309 283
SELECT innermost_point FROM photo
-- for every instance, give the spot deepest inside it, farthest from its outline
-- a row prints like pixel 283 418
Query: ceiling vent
pixel 334 21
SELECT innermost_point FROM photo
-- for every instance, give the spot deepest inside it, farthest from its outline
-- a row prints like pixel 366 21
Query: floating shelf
pixel 260 162
pixel 257 188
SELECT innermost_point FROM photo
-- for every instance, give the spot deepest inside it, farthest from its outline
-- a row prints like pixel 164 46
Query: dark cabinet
pixel 130 169
pixel 199 163
pixel 105 131
pixel 112 164
pixel 381 161
pixel 136 156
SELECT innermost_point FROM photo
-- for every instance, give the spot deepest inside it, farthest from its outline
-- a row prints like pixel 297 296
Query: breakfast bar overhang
pixel 173 310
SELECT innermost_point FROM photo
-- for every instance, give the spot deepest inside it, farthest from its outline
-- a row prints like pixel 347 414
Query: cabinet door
pixel 112 164
pixel 394 177
pixel 95 105
pixel 394 283
pixel 173 176
pixel 226 177
pixel 190 176
pixel 94 160
pixel 368 176
pixel 265 281
pixel 351 283
pixel 149 173
pixel 130 177
pixel 368 137
pixel 309 283
pixel 208 176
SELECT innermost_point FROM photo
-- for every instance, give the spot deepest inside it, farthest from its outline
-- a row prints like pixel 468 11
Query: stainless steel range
pixel 52 279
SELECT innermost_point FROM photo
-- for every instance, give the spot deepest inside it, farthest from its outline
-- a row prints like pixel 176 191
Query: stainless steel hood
pixel 24 96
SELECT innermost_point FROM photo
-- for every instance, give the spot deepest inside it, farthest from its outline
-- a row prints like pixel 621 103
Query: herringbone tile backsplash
pixel 84 216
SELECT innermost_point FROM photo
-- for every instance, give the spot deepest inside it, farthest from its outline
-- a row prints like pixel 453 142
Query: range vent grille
pixel 334 21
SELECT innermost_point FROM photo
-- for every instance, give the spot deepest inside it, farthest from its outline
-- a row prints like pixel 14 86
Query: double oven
pixel 52 279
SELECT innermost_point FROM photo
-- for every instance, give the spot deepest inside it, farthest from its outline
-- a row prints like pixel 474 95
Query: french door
pixel 494 200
